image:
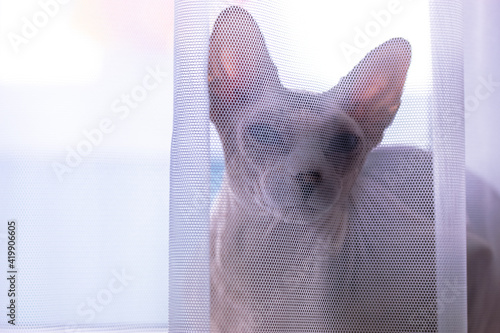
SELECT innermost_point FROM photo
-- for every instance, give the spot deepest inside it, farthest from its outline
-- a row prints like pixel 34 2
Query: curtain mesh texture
pixel 314 207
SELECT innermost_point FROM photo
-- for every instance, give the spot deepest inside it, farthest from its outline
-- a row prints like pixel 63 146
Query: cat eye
pixel 343 143
pixel 265 134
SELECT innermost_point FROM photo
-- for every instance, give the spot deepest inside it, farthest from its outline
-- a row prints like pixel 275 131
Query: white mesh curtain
pixel 236 218
pixel 267 204
pixel 86 98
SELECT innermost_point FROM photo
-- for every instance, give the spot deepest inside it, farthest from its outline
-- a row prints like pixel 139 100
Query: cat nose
pixel 308 181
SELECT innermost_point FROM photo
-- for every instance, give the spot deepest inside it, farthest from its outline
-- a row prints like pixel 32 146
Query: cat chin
pixel 302 214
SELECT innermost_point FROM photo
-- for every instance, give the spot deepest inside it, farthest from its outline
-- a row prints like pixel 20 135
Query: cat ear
pixel 371 92
pixel 239 65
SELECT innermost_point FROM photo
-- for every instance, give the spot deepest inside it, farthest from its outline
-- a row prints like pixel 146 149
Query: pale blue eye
pixel 343 143
pixel 265 134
